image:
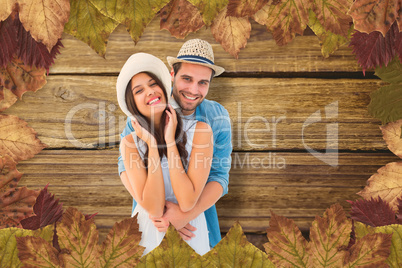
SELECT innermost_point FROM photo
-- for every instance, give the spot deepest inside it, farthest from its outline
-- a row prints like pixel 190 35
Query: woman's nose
pixel 150 91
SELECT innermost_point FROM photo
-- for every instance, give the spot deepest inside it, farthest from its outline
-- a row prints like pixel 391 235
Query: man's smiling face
pixel 190 86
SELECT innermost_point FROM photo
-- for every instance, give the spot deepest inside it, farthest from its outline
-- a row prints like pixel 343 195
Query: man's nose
pixel 193 88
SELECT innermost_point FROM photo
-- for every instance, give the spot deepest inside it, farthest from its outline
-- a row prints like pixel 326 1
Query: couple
pixel 175 165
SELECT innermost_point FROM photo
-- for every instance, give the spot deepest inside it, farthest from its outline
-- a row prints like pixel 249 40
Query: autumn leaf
pixel 395 256
pixel 235 251
pixel 173 251
pixel 44 19
pixel 374 212
pixel 8 98
pixel 37 252
pixel 135 15
pixel 89 25
pixel 8 41
pixel 244 8
pixel 8 243
pixel 231 32
pixel 209 8
pixel 286 247
pixel 386 183
pixel 79 237
pixel 329 237
pixel 7 7
pixel 180 18
pixel 15 202
pixel 284 20
pixel 329 41
pixel 386 102
pixel 47 211
pixel 392 134
pixel 369 16
pixel 17 139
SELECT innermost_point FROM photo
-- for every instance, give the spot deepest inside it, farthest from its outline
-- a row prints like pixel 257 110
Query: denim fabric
pixel 217 117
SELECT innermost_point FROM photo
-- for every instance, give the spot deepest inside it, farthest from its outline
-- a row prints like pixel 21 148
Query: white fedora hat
pixel 197 51
pixel 138 63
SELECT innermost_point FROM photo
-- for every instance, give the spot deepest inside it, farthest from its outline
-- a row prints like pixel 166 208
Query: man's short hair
pixel 176 67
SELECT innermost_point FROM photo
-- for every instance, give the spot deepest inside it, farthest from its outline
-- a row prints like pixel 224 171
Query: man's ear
pixel 172 74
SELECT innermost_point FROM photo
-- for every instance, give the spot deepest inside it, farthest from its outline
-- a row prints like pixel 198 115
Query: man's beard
pixel 185 106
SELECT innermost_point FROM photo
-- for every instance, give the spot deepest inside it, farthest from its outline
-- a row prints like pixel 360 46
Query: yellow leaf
pixel 392 135
pixel 209 8
pixel 231 32
pixel 235 251
pixel 386 183
pixel 135 15
pixel 89 25
pixel 7 7
pixel 45 19
pixel 8 99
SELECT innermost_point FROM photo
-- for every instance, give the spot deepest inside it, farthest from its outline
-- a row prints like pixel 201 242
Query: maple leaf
pixel 180 18
pixel 135 15
pixel 8 41
pixel 369 16
pixel 8 243
pixel 386 184
pixel 121 246
pixel 17 139
pixel 209 8
pixel 329 41
pixel 373 49
pixel 284 20
pixel 286 247
pixel 374 212
pixel 47 211
pixel 394 230
pixel 329 237
pixel 89 25
pixel 44 19
pixel 173 251
pixel 231 32
pixel 244 8
pixel 392 133
pixel 234 251
pixel 386 102
pixel 79 237
pixel 15 203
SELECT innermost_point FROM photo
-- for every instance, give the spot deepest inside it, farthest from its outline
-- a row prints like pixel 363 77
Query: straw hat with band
pixel 137 63
pixel 197 51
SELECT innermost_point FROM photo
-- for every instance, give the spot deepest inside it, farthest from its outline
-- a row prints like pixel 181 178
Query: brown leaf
pixel 45 19
pixel 386 183
pixel 369 16
pixel 180 18
pixel 15 203
pixel 392 135
pixel 7 6
pixel 37 252
pixel 8 98
pixel 245 8
pixel 20 78
pixel 17 139
pixel 231 32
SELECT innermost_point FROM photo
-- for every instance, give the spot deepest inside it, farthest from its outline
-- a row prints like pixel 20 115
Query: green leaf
pixel 121 246
pixel 89 25
pixel 8 243
pixel 386 102
pixel 329 237
pixel 235 251
pixel 173 251
pixel 79 237
pixel 135 15
pixel 209 9
pixel 329 41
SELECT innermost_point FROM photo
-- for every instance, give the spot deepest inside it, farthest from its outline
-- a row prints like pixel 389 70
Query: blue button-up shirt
pixel 218 118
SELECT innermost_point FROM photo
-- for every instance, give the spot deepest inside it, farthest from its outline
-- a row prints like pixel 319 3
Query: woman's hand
pixel 143 134
pixel 170 126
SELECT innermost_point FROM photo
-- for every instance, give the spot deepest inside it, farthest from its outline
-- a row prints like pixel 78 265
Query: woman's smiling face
pixel 148 95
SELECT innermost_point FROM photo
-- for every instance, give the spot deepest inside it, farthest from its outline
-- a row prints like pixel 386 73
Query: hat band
pixel 195 59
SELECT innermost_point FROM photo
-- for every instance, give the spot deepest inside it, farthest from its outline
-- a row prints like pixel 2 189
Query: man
pixel 192 72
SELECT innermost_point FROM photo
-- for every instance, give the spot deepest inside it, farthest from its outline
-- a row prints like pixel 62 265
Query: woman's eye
pixel 154 84
pixel 138 91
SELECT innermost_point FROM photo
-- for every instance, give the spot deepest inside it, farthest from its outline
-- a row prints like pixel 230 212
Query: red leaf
pixel 399 216
pixel 47 210
pixel 373 49
pixel 372 212
pixel 398 45
pixel 8 41
pixel 88 217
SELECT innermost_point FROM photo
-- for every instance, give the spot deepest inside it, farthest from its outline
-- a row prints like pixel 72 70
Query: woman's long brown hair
pixel 180 135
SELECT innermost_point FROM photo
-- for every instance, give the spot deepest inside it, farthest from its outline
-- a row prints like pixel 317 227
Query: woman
pixel 166 158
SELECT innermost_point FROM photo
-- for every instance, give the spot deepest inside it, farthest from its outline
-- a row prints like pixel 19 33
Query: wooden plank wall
pixel 270 92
